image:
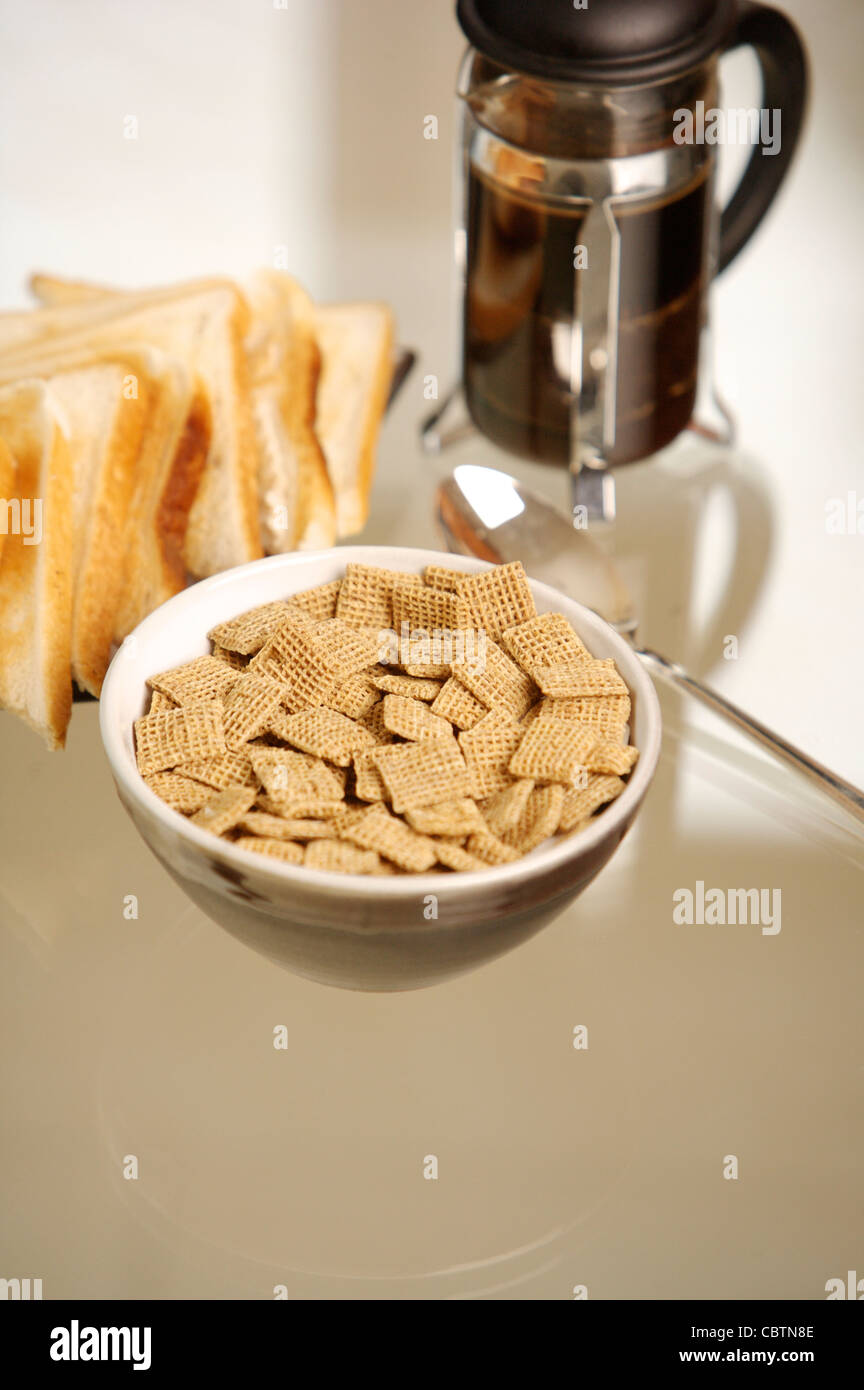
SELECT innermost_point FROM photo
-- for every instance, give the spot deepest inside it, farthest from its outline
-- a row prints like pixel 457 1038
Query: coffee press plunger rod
pixel 593 363
pixel 592 493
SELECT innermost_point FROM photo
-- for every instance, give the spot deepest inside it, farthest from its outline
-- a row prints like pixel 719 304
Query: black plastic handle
pixel 783 61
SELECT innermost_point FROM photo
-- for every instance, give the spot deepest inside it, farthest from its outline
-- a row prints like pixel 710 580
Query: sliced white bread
pixel 204 327
pixel 297 508
pixel 53 291
pixel 167 472
pixel 297 505
pixel 175 450
pixel 356 345
pixel 36 566
pixel 354 371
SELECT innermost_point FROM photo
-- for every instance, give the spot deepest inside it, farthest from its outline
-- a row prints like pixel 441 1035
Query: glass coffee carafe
pixel 591 232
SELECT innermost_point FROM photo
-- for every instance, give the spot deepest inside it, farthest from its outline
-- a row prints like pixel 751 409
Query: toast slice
pixel 36 566
pixel 297 508
pixel 174 447
pixel 103 421
pixel 53 291
pixel 356 345
pixel 175 450
pixel 203 326
pixel 297 505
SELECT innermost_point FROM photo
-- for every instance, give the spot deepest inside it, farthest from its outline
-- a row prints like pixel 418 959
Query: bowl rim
pixel 551 855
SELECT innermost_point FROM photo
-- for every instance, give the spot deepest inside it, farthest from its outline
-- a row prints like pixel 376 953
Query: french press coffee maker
pixel 590 229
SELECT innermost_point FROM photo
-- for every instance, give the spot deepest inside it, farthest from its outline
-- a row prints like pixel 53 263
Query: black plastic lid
pixel 618 42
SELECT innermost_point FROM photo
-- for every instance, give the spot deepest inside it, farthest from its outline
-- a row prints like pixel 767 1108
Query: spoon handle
pixel 842 792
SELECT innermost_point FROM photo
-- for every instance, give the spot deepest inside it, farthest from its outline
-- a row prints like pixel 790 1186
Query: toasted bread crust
pixel 57 619
pixel 378 397
pixel 53 291
pixel 354 387
pixel 314 504
pixel 223 524
pixel 175 447
pixel 285 364
pixel 100 520
pixel 36 579
pixel 316 500
pixel 7 482
pixel 181 488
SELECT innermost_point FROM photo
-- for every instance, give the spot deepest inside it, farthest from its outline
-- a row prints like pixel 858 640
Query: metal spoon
pixel 487 513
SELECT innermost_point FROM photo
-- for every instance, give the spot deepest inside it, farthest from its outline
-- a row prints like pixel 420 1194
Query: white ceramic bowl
pixel 353 931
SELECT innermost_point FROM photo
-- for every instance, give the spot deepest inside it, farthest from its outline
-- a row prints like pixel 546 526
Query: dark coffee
pixel 523 295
